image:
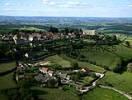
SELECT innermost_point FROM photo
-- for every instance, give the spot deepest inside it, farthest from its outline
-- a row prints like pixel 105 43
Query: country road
pixel 93 85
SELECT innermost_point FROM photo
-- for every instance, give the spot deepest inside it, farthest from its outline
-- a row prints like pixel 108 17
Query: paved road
pixel 93 85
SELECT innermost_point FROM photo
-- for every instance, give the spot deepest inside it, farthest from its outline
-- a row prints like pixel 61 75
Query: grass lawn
pixel 103 94
pixel 86 80
pixel 58 94
pixel 60 61
pixel 7 66
pixel 119 81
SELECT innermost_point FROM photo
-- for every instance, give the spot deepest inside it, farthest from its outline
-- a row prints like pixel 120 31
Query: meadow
pixel 58 94
pixel 103 94
pixel 7 66
pixel 60 61
pixel 122 81
pixel 106 56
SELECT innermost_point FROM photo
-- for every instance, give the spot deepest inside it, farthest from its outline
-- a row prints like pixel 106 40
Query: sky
pixel 67 8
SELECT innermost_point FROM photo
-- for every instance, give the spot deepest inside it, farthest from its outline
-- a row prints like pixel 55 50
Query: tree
pixel 75 65
pixel 52 82
pixel 23 91
pixel 127 43
pixel 53 29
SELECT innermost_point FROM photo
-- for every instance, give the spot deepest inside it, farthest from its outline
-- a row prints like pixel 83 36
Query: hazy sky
pixel 80 8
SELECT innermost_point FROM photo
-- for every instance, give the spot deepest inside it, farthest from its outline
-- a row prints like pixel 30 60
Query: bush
pixel 52 83
pixel 74 65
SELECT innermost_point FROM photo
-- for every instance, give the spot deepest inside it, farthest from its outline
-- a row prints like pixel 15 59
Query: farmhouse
pixel 44 70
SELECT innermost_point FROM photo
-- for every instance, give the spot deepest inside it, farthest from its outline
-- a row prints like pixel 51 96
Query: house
pixel 42 78
pixel 65 79
pixel 30 38
pixel 89 32
pixel 44 70
pixel 44 63
pixel 50 72
pixel 85 70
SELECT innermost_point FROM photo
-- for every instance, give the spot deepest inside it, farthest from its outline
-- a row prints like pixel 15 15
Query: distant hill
pixel 60 20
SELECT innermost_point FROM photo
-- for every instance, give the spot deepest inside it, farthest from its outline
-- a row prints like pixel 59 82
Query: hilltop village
pixel 49 74
pixel 63 58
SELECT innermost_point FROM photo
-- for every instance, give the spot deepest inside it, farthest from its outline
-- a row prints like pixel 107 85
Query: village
pixel 46 76
pixel 61 60
pixel 25 37
pixel 46 73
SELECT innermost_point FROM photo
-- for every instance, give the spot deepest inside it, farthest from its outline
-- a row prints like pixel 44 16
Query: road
pixel 93 85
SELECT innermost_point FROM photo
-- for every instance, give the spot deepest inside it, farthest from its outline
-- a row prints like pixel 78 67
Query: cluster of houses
pixel 43 74
pixel 23 37
pixel 6 37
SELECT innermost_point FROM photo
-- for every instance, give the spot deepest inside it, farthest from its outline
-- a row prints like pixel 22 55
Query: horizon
pixel 69 8
pixel 66 17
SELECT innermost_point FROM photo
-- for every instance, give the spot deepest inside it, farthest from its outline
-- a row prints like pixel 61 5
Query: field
pixel 6 82
pixel 31 29
pixel 103 94
pixel 86 80
pixel 60 61
pixel 119 81
pixel 7 66
pixel 84 64
pixel 58 94
pixel 106 55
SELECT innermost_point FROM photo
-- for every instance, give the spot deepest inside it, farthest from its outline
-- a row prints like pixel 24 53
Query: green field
pixel 103 94
pixel 6 82
pixel 58 94
pixel 60 61
pixel 85 64
pixel 86 80
pixel 31 29
pixel 7 66
pixel 119 81
pixel 106 55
